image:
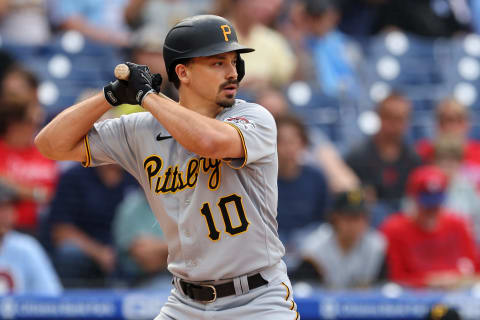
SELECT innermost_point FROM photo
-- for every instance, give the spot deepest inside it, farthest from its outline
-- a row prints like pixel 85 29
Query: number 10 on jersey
pixel 223 205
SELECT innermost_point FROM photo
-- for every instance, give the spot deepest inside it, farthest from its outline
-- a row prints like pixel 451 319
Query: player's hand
pixel 116 93
pixel 157 82
pixel 122 91
pixel 141 82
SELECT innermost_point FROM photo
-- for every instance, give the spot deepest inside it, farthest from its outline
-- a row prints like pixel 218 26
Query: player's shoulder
pixel 242 107
pixel 243 104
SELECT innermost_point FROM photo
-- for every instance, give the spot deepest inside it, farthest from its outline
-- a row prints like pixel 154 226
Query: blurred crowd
pixel 386 208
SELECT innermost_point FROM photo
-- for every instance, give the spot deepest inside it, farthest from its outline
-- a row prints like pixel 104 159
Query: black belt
pixel 209 293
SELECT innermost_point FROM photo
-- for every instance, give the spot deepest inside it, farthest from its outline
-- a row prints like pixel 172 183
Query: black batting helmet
pixel 201 36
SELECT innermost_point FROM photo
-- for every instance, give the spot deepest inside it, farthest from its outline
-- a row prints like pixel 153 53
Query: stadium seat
pixel 67 68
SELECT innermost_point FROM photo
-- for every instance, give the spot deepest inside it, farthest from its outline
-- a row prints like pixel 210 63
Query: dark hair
pixel 12 95
pixel 394 95
pixel 291 119
pixel 172 74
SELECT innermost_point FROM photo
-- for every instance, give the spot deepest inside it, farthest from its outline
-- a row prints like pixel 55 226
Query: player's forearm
pixel 58 139
pixel 197 133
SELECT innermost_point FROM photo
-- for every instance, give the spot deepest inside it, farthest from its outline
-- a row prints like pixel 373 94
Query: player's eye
pixel 218 63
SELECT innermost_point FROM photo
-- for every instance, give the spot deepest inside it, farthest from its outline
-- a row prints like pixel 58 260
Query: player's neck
pixel 198 104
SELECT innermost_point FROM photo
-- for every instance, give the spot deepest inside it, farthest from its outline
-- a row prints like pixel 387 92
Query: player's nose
pixel 232 72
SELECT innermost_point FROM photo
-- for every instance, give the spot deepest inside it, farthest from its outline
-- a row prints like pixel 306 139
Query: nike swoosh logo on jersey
pixel 160 137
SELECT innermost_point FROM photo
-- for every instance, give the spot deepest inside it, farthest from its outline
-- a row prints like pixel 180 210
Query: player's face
pixel 215 78
pixel 351 228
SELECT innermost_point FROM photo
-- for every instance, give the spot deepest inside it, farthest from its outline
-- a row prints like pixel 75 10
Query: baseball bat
pixel 122 72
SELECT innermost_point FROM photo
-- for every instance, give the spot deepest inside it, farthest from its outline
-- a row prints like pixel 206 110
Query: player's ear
pixel 183 73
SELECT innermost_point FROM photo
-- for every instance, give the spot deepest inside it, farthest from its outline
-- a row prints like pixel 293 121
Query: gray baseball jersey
pixel 340 270
pixel 218 216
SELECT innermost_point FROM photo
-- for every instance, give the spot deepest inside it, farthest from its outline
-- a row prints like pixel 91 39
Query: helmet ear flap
pixel 240 68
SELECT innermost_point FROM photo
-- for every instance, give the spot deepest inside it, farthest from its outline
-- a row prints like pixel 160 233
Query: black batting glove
pixel 141 82
pixel 116 93
pixel 157 82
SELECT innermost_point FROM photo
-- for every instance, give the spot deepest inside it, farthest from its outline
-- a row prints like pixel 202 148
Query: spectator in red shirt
pixel 23 170
pixel 428 246
pixel 452 119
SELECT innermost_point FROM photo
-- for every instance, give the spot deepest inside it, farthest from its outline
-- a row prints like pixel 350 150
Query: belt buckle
pixel 214 292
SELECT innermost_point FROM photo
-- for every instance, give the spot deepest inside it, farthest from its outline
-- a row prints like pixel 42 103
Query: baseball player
pixel 208 166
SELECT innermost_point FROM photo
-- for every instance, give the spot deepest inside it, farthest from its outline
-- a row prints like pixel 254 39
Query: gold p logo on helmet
pixel 226 31
pixel 355 197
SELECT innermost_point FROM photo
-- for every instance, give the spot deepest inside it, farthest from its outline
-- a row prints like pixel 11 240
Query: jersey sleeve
pixel 258 132
pixel 113 141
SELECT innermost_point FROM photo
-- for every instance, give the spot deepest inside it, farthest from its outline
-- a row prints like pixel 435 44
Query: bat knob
pixel 122 72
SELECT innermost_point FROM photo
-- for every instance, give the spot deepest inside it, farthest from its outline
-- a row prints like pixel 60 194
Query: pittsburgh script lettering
pixel 172 179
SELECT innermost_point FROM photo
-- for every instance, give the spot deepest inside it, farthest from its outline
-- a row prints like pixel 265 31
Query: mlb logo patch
pixel 241 121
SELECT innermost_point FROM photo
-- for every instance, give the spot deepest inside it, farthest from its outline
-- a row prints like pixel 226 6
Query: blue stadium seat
pixel 336 118
pixel 73 72
pixel 420 76
pixel 462 70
